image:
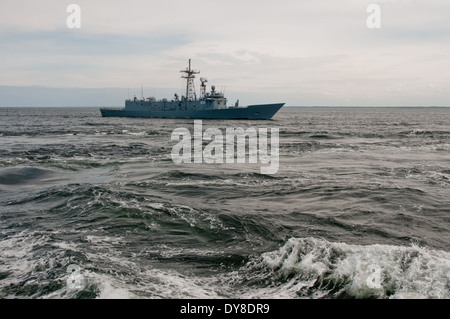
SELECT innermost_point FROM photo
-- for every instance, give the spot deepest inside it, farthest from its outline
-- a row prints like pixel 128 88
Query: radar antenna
pixel 203 88
pixel 190 89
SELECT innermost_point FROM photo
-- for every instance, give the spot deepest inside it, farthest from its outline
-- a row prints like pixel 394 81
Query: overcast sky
pixel 302 52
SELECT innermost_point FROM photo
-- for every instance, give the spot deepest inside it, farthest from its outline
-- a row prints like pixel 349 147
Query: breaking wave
pixel 316 268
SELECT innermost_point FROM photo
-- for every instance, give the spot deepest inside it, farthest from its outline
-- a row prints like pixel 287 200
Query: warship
pixel 209 105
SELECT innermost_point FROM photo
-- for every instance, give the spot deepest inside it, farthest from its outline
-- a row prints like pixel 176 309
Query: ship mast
pixel 189 76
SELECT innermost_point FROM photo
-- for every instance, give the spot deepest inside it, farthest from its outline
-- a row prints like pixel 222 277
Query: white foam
pixel 17 252
pixel 302 267
pixel 26 267
pixel 403 271
pixel 111 289
pixel 197 218
pixel 149 283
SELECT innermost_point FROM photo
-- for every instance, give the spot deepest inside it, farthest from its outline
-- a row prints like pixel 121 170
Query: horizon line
pixel 290 106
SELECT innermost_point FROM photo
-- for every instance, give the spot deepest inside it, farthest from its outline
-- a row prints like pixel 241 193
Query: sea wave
pixel 301 268
pixel 316 268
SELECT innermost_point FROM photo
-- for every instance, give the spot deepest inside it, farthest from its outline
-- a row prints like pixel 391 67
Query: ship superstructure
pixel 210 105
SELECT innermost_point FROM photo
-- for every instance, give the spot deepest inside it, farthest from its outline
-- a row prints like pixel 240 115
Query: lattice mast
pixel 189 76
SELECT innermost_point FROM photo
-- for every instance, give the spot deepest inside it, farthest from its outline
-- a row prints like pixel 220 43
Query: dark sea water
pixel 360 208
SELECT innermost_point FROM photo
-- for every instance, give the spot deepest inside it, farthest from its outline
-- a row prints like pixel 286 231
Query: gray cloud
pixel 295 50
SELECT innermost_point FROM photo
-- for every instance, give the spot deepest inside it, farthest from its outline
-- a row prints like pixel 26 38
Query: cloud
pixel 294 49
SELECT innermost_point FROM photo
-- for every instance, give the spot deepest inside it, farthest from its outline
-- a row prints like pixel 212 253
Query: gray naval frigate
pixel 210 105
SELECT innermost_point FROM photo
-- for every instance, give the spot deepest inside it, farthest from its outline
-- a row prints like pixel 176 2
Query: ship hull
pixel 252 112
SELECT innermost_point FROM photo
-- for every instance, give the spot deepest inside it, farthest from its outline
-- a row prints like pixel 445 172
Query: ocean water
pixel 359 208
